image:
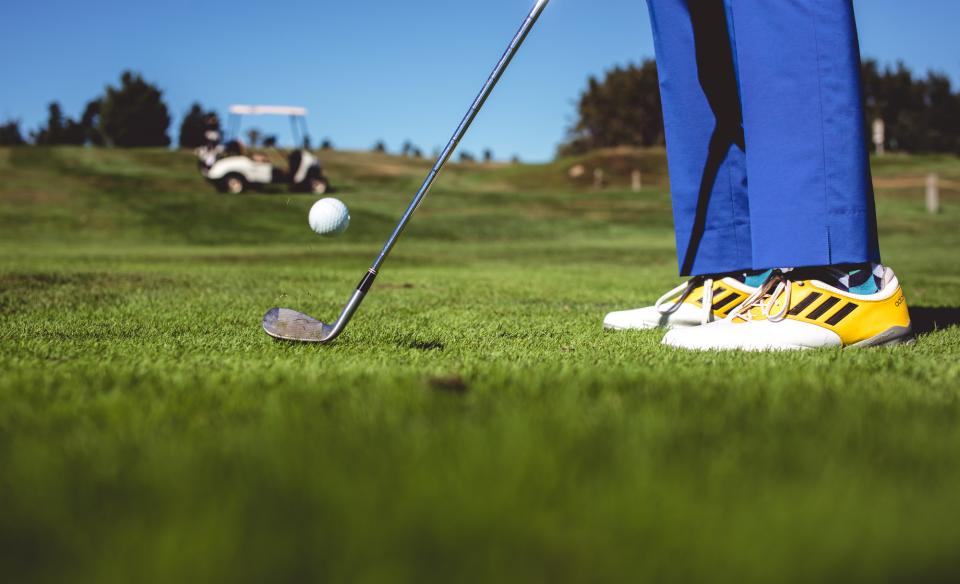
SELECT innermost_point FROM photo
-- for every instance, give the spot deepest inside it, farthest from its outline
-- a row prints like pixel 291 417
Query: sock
pixel 756 278
pixel 855 279
pixel 862 279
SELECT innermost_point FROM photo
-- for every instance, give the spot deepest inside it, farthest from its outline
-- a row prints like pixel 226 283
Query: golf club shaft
pixel 458 135
pixel 471 115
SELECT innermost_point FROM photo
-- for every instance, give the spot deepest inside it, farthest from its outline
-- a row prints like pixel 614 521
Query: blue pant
pixel 766 141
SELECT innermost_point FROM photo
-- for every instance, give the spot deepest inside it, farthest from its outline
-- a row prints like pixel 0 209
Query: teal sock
pixel 866 279
pixel 861 279
pixel 756 279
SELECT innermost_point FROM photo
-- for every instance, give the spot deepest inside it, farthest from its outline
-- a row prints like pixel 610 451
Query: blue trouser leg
pixel 811 195
pixel 794 131
pixel 701 110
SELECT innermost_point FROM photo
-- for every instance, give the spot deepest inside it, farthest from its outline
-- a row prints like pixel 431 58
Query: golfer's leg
pixel 811 198
pixel 704 135
pixel 811 203
pixel 707 168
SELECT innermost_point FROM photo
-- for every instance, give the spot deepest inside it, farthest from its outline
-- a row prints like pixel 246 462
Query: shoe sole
pixel 898 335
pixel 894 336
pixel 648 327
pixel 613 327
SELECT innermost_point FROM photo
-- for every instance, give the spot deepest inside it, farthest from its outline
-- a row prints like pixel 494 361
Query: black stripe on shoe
pixel 824 308
pixel 725 301
pixel 805 303
pixel 715 294
pixel 842 313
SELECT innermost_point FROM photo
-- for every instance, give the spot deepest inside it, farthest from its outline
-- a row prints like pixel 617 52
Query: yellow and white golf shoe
pixel 793 311
pixel 699 301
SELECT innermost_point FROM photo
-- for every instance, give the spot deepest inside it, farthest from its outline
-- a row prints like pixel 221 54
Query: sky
pixel 378 69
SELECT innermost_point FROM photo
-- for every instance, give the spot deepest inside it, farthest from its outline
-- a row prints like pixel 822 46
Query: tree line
pixel 920 114
pixel 131 114
pixel 134 114
pixel 411 150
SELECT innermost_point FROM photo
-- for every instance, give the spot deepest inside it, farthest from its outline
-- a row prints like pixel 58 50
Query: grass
pixel 474 424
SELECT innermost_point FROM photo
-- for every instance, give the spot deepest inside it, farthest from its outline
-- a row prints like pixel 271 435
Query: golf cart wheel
pixel 318 186
pixel 233 184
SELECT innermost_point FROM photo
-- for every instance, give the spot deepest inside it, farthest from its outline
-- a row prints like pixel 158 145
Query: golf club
pixel 290 325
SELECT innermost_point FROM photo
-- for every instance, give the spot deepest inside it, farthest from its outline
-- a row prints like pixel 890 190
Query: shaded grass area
pixel 474 424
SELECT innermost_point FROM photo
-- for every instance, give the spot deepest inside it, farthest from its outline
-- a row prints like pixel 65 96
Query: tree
pixel 90 122
pixel 253 137
pixel 50 133
pixel 921 114
pixel 269 141
pixel 467 157
pixel 10 134
pixel 134 114
pixel 59 130
pixel 622 109
pixel 194 126
pixel 488 156
pixel 327 144
pixel 380 147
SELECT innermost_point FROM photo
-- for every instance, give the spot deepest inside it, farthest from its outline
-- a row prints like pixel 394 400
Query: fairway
pixel 475 423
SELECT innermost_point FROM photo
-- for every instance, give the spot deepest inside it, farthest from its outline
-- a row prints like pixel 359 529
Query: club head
pixel 290 325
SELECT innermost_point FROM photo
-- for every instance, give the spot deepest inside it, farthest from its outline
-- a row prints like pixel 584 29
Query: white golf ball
pixel 329 217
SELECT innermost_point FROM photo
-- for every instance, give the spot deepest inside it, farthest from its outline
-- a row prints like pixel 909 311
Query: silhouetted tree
pixel 407 149
pixel 90 121
pixel 269 141
pixel 380 147
pixel 467 157
pixel 59 129
pixel 253 137
pixel 622 109
pixel 488 155
pixel 10 134
pixel 327 144
pixel 921 114
pixel 134 114
pixel 194 126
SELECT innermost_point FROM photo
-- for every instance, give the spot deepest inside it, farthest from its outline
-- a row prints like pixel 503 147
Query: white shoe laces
pixel 766 297
pixel 685 290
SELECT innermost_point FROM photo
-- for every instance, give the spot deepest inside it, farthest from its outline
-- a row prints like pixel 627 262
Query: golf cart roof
pixel 267 110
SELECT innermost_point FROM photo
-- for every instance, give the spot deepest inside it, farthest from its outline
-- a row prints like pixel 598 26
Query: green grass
pixel 474 424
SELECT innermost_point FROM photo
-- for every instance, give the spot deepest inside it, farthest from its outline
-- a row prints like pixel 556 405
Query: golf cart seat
pixel 233 148
pixel 295 159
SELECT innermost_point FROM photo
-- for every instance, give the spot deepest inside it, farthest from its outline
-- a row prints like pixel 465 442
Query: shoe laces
pixel 765 298
pixel 685 290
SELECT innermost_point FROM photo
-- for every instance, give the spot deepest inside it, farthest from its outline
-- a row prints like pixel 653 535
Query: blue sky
pixel 376 69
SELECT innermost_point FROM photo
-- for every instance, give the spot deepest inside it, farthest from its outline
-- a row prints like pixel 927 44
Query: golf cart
pixel 232 169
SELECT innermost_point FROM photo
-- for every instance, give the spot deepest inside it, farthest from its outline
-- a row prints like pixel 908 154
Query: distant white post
pixel 636 180
pixel 933 194
pixel 598 178
pixel 879 136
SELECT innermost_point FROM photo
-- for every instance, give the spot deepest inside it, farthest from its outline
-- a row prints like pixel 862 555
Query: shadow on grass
pixel 927 320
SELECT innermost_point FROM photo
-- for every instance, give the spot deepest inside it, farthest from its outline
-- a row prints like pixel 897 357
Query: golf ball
pixel 329 217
